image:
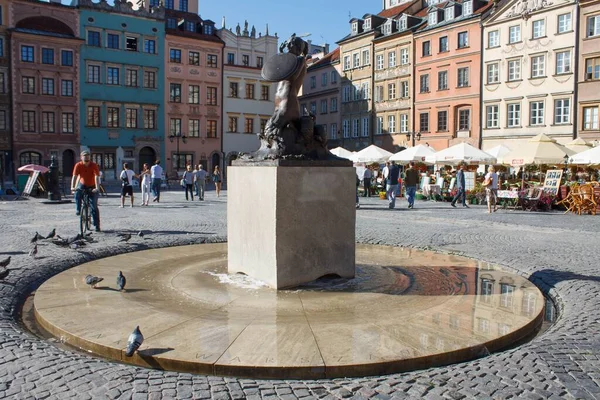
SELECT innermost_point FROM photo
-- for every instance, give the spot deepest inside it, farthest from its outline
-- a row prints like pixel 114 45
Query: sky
pixel 327 21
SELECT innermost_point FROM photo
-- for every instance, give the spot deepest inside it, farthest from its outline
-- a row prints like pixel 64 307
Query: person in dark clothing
pixel 391 174
pixel 411 180
pixel 460 187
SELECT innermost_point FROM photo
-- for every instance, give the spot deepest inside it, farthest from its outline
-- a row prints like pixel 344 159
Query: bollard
pixel 53 182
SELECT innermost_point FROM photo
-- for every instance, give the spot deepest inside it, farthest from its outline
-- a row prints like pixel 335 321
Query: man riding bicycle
pixel 86 175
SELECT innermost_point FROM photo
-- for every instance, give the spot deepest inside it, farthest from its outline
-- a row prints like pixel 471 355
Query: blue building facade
pixel 122 91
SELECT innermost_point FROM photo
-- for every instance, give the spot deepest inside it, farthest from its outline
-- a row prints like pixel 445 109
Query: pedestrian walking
pixel 217 179
pixel 367 182
pixel 411 180
pixel 188 179
pixel 460 187
pixel 126 176
pixel 490 182
pixel 156 173
pixel 201 175
pixel 146 177
pixel 391 173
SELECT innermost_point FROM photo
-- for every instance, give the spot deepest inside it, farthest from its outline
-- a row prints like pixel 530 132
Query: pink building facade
pixel 44 47
pixel 194 130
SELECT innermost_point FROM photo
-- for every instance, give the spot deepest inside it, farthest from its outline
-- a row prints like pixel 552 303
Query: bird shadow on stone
pixel 12 253
pixel 550 277
pixel 146 354
pixel 40 257
pixel 111 289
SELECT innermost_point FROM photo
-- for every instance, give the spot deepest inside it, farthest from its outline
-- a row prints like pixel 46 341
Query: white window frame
pixel 333 131
pixel 379 62
pixel 403 123
pixel 366 57
pixel 538 66
pixel 463 77
pixel 346 63
pixel 564 23
pixel 346 128
pixel 355 60
pixel 467 8
pixel 514 34
pixel 404 90
pixel 514 70
pixel 432 18
pixel 365 127
pixel 391 91
pixel 355 127
pixel 590 118
pixel 379 127
pixel 563 62
pixel 493 39
pixel 513 115
pixel 562 112
pixel 592 27
pixel 367 24
pixel 391 123
pixel 493 73
pixel 449 13
pixel 391 59
pixel 442 80
pixel 404 57
pixel 536 113
pixel 538 29
pixel 492 114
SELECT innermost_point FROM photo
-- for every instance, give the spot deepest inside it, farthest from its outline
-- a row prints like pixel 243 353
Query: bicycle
pixel 85 216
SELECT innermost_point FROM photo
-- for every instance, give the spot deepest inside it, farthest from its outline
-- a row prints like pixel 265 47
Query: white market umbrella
pixel 578 145
pixel 498 151
pixel 417 153
pixel 590 156
pixel 371 154
pixel 539 149
pixel 342 152
pixel 462 152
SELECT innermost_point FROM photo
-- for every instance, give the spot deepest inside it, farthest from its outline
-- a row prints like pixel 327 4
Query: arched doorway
pixel 147 156
pixel 68 162
pixel 216 160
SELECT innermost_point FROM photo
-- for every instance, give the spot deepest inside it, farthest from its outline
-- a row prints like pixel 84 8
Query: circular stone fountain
pixel 406 309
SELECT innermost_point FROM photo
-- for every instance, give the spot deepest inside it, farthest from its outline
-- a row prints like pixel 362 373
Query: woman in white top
pixel 491 188
pixel 145 186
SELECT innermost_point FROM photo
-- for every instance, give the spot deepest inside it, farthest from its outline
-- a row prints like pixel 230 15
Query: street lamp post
pixel 177 136
pixel 413 135
pixel 566 158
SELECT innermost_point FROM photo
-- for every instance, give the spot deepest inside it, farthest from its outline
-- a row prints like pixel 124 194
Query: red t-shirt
pixel 87 174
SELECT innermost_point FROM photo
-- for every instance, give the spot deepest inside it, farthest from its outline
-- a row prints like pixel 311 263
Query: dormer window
pixel 467 8
pixel 402 23
pixel 387 28
pixel 367 24
pixel 355 27
pixel 432 19
pixel 449 13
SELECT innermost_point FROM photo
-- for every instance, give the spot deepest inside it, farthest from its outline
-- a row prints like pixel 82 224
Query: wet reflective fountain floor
pixel 406 309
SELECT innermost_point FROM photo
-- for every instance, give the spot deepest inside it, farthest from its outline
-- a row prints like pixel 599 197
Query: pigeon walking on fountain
pixel 93 280
pixel 134 342
pixel 121 281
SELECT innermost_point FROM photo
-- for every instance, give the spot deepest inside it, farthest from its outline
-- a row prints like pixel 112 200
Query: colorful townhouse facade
pixel 122 90
pixel 321 94
pixel 6 157
pixel 193 99
pixel 588 72
pixel 44 63
pixel 529 73
pixel 248 100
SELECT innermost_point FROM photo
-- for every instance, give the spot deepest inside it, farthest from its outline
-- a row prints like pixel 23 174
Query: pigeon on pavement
pixel 5 262
pixel 93 280
pixel 125 238
pixel 4 273
pixel 33 252
pixel 134 342
pixel 36 237
pixel 121 281
pixel 51 234
pixel 141 234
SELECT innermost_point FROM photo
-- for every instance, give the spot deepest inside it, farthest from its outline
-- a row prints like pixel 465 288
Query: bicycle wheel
pixel 83 218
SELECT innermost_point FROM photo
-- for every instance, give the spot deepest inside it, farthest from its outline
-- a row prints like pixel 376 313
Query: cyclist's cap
pixel 85 152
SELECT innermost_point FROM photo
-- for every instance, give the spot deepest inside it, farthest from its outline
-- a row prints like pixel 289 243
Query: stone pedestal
pixel 289 223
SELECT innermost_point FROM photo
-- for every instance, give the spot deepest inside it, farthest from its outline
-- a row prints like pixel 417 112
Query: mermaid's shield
pixel 281 66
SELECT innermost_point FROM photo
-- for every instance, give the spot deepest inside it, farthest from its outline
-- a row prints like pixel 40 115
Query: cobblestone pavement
pixel 558 252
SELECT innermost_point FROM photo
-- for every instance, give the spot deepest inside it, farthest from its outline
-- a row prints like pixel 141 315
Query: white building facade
pixel 528 72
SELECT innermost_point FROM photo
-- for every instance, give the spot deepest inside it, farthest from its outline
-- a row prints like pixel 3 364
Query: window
pixel 333 105
pixel 514 34
pixel 403 123
pixel 514 115
pixel 464 120
pixel 175 93
pixel 402 23
pixel 346 128
pixel 514 70
pixel 593 26
pixel 391 124
pixel 323 106
pixel 211 60
pixel 93 38
pixel 47 122
pixel 590 118
pixel 149 119
pixel 231 58
pixel 562 111
pixel 175 126
pixel 211 128
pixel 442 125
pixel 449 13
pixel 442 80
pixel 379 61
pixel 403 56
pixel 355 60
pixel 112 41
pixel 333 130
pixel 367 24
pixel 233 124
pixel 250 90
pixel 175 56
pixel 491 120
pixel 263 125
pixel 211 96
pixel 443 44
pixel 194 94
pixel 424 122
pixel 506 295
pixel 313 82
pixel 333 77
pixel 346 94
pixel 183 5
pixel 493 39
pixel 150 79
pixel 536 113
pixel 112 75
pixel 259 62
pixel 366 57
pixel 68 123
pixel 264 92
pixel 93 75
pixel 365 127
pixel 93 116
pixel 391 91
pixel 564 23
pixel 563 62
pixel 424 80
pixel 463 77
pixel 2 83
pixel 493 73
pixel 48 86
pixel 194 58
pixel 592 69
pixel 131 118
pixel 432 17
pixel 181 160
pixel 171 23
pixel 391 59
pixel 27 54
pixel 28 121
pixel 150 46
pixel 346 62
pixel 194 128
pixel 170 4
pixel 404 89
pixel 538 66
pixel 355 127
pixel 426 48
pixel 66 57
pixel 379 125
pixel 245 60
pixel 538 29
pixel 233 89
pixel 313 107
pixel 131 77
pixel 324 79
pixel 463 40
pixel 249 125
pixel 28 85
pixel 467 8
pixel 47 56
pixel 30 158
pixel 112 117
